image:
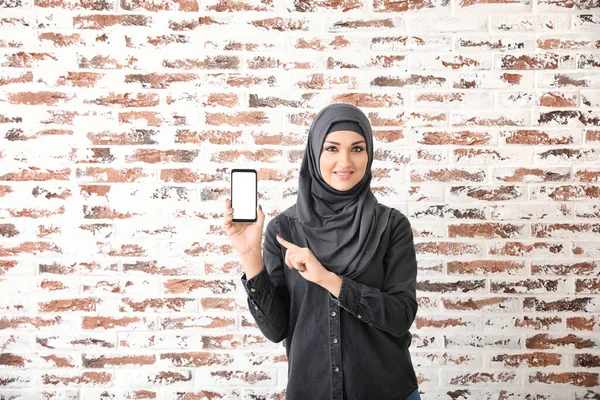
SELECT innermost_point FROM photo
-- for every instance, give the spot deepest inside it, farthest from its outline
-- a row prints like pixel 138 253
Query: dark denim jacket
pixel 353 347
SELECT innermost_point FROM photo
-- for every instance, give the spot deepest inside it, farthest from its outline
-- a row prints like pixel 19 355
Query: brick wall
pixel 120 122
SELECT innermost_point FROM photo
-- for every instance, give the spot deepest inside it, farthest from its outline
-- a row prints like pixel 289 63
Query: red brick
pixel 13 3
pixel 216 62
pixel 237 119
pixel 529 360
pixel 402 6
pixel 160 81
pixel 102 21
pixel 126 100
pixel 95 5
pixel 191 24
pixel 227 6
pixel 161 5
pixel 63 305
pixel 23 59
pixel 585 379
pixel 39 98
pixel 84 378
pixel 101 61
pixel 281 24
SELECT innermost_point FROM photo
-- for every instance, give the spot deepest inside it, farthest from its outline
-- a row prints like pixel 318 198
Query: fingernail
pixel 259 206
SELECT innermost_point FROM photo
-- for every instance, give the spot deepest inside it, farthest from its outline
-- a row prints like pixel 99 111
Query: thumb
pixel 260 213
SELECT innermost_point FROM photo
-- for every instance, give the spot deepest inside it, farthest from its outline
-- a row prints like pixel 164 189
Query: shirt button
pixel 336 369
pixel 256 307
pixel 359 317
pixel 252 289
pixel 335 340
pixel 333 313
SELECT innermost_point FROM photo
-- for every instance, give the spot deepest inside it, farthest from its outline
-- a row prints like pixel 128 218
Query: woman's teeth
pixel 343 176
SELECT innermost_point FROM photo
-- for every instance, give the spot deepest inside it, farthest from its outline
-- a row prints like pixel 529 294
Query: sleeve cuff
pixel 349 295
pixel 258 284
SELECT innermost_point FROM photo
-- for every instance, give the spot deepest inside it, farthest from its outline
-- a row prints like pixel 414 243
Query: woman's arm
pixel 394 308
pixel 268 297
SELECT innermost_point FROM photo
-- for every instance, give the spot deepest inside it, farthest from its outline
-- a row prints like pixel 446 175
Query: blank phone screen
pixel 243 194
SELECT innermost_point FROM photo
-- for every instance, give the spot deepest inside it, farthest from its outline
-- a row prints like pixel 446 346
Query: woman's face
pixel 347 152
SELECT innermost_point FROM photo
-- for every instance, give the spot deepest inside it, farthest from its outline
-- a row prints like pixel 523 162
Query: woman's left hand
pixel 302 259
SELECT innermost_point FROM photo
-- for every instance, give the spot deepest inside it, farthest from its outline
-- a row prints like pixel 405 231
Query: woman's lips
pixel 345 176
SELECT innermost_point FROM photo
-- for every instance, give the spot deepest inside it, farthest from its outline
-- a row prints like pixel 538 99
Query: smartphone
pixel 244 194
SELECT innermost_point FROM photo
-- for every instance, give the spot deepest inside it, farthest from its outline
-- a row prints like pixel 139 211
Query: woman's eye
pixel 357 147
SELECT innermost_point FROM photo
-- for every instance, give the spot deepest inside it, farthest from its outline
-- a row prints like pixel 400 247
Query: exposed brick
pixel 533 61
pixel 586 360
pixel 102 21
pixel 126 100
pixel 527 360
pixel 445 287
pixel 217 62
pixel 85 378
pixel 545 341
pixel 401 6
pixel 160 81
pixel 281 24
pixel 121 120
pixel 485 267
pixel 95 5
pixel 23 59
pixel 162 5
pixel 191 24
pixel 227 6
pixel 580 304
pixel 483 378
pixel 585 379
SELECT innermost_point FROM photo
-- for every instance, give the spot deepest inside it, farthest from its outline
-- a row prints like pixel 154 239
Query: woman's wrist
pixel 333 283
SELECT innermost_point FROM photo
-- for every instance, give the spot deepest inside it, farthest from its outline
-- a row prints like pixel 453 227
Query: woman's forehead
pixel 344 136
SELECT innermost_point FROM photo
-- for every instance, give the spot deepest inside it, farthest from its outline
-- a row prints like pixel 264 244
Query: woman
pixel 347 298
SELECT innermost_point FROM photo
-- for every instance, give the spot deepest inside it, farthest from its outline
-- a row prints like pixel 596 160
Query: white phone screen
pixel 243 194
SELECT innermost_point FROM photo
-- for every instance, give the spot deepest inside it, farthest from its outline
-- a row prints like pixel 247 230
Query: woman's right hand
pixel 244 237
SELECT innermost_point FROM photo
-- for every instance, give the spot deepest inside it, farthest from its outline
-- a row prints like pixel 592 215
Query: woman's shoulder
pixel 395 214
pixel 275 222
pixel 398 220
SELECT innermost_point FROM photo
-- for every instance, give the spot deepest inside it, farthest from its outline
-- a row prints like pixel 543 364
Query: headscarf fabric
pixel 342 228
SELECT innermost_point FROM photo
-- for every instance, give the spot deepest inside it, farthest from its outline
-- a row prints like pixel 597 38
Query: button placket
pixel 336 351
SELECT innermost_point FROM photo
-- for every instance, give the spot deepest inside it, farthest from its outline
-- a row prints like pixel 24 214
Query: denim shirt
pixel 353 347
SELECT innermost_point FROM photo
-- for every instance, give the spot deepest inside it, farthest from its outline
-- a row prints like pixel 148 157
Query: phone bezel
pixel 255 197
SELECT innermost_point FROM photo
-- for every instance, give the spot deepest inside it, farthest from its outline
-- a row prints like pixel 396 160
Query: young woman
pixel 347 298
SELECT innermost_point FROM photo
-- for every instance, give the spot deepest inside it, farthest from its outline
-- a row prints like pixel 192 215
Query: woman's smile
pixel 345 176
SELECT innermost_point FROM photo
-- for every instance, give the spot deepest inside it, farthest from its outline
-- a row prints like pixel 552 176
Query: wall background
pixel 120 122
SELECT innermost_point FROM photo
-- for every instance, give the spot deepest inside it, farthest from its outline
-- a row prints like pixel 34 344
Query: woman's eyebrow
pixel 362 141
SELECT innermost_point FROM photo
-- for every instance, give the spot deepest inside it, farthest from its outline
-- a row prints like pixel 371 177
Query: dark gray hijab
pixel 342 228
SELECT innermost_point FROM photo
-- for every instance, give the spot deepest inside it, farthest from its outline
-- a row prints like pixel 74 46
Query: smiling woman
pixel 343 160
pixel 337 276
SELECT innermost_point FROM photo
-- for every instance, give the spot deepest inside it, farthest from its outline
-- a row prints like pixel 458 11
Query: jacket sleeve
pixel 268 297
pixel 394 308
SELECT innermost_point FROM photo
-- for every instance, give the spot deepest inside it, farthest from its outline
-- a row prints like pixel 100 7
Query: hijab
pixel 342 228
